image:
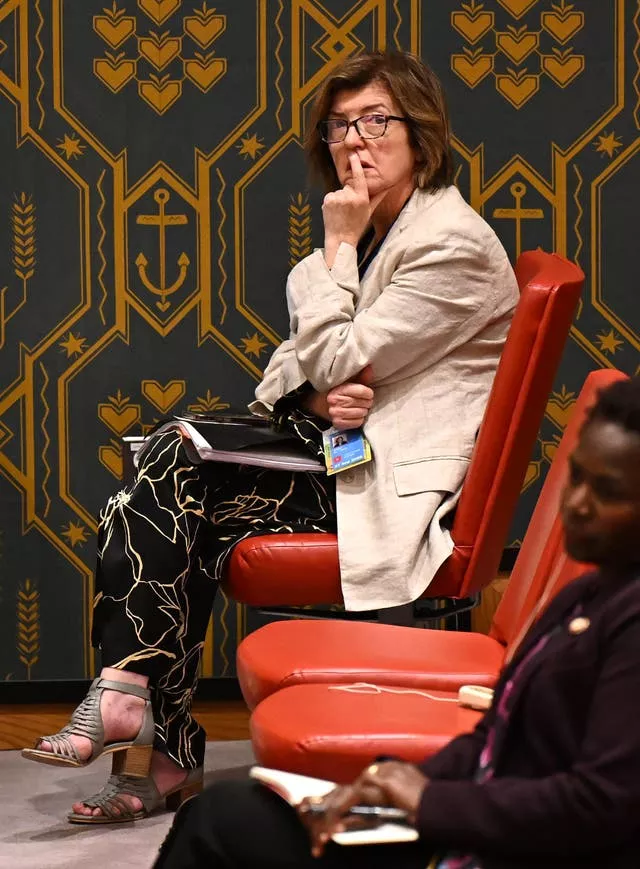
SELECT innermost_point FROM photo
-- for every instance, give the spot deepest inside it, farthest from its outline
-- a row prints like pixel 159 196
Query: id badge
pixel 345 449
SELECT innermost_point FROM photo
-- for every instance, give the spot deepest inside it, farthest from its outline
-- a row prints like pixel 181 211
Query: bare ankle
pixel 115 675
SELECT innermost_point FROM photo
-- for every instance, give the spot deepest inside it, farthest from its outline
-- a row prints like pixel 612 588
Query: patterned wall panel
pixel 154 196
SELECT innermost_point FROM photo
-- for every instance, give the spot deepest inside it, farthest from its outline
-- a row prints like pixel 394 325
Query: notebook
pixel 244 439
pixel 294 788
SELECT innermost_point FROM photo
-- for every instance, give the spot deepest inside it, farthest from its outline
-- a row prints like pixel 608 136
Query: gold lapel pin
pixel 579 625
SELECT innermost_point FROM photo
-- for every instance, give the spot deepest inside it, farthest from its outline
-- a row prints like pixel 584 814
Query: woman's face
pixel 601 501
pixel 388 161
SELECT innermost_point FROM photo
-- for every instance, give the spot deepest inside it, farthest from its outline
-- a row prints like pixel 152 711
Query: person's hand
pixel 322 826
pixel 347 212
pixel 348 405
pixel 392 783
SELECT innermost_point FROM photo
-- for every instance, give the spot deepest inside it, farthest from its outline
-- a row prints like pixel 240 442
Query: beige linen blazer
pixel 430 316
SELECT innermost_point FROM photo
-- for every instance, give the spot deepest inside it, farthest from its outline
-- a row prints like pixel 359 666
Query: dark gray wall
pixel 112 315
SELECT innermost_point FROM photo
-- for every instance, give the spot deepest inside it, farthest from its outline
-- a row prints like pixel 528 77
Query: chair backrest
pixel 542 567
pixel 550 287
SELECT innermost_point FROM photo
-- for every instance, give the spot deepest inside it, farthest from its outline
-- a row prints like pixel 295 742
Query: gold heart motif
pixel 517 91
pixel 559 413
pixel 472 27
pixel 517 7
pixel 119 421
pixel 562 71
pixel 163 397
pixel 114 75
pixel 159 54
pixel 517 47
pixel 472 71
pixel 111 458
pixel 114 34
pixel 159 10
pixel 160 96
pixel 561 27
pixel 205 32
pixel 205 75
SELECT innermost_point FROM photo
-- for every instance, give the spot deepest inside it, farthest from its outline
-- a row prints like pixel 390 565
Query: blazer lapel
pixel 370 285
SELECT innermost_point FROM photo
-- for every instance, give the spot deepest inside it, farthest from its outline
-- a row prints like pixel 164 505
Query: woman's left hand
pixel 391 783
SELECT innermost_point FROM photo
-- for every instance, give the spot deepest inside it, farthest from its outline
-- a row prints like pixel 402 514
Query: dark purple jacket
pixel 566 791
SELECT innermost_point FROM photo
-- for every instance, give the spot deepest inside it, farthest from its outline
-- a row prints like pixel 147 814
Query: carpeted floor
pixel 34 800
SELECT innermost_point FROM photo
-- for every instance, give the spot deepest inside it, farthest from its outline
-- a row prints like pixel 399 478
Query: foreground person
pixel 551 774
pixel 411 297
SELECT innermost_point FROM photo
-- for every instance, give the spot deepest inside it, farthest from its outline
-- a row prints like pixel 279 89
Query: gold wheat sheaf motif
pixel 28 631
pixel 23 256
pixel 299 228
pixel 23 220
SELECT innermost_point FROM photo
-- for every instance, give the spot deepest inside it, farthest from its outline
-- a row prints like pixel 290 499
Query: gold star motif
pixel 75 534
pixel 70 146
pixel 250 146
pixel 608 143
pixel 74 345
pixel 609 342
pixel 253 345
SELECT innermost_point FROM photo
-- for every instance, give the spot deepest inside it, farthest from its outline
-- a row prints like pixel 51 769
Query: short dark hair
pixel 620 403
pixel 419 95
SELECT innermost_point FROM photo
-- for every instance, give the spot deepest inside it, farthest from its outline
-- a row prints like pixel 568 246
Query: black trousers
pixel 162 546
pixel 243 825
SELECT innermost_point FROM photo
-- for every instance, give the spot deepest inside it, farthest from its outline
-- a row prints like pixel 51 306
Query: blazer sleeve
pixel 442 294
pixel 596 800
pixel 282 375
pixel 459 758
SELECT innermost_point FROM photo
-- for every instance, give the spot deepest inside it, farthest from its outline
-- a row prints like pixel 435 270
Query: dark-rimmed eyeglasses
pixel 367 127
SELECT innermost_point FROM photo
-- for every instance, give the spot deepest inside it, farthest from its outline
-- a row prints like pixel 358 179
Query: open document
pixel 246 440
pixel 294 788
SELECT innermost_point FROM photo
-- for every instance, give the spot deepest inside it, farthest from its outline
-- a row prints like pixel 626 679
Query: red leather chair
pixel 289 653
pixel 333 730
pixel 303 569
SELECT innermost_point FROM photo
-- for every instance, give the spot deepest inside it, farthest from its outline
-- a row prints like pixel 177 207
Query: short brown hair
pixel 418 93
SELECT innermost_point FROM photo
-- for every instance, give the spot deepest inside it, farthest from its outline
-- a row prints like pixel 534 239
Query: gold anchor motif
pixel 162 220
pixel 518 189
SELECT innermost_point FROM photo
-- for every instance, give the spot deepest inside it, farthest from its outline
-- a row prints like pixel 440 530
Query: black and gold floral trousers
pixel 163 544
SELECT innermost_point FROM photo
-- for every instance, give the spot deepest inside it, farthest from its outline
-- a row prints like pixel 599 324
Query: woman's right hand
pixel 388 783
pixel 347 405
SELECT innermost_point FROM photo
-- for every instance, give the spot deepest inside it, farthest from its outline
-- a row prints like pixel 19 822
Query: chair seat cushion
pixel 334 731
pixel 285 570
pixel 286 653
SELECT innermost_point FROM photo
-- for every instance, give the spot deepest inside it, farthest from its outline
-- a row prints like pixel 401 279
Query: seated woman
pixel 396 326
pixel 551 774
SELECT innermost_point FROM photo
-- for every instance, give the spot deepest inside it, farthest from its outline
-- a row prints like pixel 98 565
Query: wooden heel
pixel 177 798
pixel 134 761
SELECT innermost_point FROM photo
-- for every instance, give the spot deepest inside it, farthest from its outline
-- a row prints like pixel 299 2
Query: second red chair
pixel 283 654
pixel 334 727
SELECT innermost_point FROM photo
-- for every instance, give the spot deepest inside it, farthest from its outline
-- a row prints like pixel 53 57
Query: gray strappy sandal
pixel 132 757
pixel 115 809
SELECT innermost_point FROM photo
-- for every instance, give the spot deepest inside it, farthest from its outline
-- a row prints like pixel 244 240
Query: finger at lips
pixel 357 173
